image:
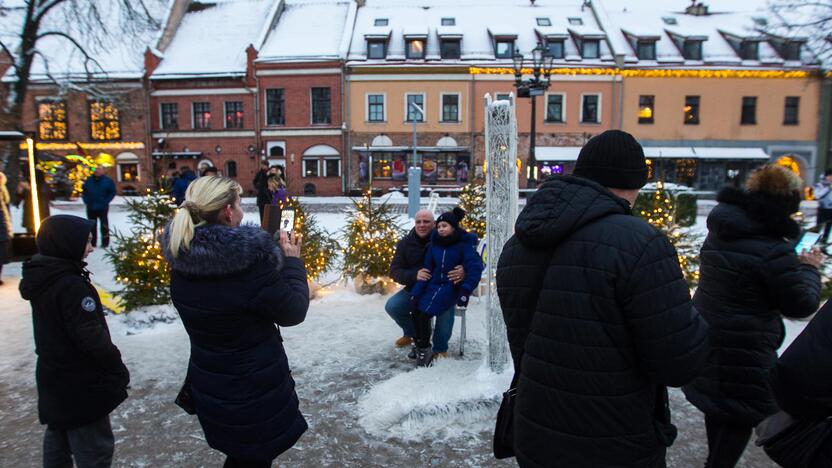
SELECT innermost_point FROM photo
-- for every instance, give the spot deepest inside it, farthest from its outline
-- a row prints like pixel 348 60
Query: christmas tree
pixel 319 247
pixel 661 212
pixel 137 256
pixel 472 200
pixel 372 234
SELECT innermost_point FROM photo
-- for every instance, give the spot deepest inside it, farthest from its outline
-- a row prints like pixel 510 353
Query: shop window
pixel 686 172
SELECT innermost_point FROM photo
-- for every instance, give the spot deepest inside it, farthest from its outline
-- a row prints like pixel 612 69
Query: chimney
pixel 251 56
pixel 696 9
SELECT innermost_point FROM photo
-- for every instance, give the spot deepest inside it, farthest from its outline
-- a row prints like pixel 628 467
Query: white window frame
pixel 497 96
pixel 600 108
pixel 367 108
pixel 225 113
pixel 193 115
pixel 562 108
pixel 161 116
pixel 332 158
pixel 131 161
pixel 312 107
pixel 458 104
pixel 307 159
pixel 424 107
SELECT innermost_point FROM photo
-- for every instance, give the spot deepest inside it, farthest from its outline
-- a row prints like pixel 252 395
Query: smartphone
pixel 806 242
pixel 287 220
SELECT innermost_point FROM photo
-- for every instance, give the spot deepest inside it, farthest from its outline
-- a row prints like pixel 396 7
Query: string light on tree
pixel 319 247
pixel 472 200
pixel 371 233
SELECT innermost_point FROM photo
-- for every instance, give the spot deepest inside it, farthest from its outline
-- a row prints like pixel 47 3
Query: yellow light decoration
pixel 86 146
pixel 654 73
pixel 104 159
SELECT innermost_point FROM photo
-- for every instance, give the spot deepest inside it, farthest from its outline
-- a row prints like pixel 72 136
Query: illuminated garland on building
pixel 653 73
pixel 86 146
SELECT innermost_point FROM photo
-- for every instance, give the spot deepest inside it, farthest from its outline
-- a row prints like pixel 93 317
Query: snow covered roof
pixel 213 41
pixel 310 30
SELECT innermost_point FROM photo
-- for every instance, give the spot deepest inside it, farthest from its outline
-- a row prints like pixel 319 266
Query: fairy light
pixel 87 146
pixel 653 73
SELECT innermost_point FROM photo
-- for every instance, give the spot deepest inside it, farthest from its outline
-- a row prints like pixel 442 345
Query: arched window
pixel 127 167
pixel 277 152
pixel 231 168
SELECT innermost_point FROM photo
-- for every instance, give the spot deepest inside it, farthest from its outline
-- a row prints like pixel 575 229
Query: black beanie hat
pixel 613 159
pixel 452 217
pixel 64 236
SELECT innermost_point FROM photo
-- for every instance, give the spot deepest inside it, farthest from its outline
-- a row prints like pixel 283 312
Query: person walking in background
pixel 598 315
pixel 99 191
pixel 750 276
pixel 823 194
pixel 233 287
pixel 180 185
pixel 261 188
pixel 6 234
pixel 44 195
pixel 80 376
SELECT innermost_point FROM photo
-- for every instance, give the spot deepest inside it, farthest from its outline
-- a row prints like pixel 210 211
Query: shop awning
pixel 177 154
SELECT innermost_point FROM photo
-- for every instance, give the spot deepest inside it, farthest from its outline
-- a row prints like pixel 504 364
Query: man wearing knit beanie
pixel 598 315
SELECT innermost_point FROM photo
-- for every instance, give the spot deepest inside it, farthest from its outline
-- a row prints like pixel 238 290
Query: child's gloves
pixel 463 298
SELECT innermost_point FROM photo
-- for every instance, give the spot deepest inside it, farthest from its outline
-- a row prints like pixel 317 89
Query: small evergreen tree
pixel 472 200
pixel 372 233
pixel 137 256
pixel 319 247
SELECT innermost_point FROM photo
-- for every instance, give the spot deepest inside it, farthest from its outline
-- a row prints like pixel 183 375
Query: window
pixel 413 114
pixel 749 110
pixel 554 108
pixel 450 107
pixel 590 49
pixel 646 106
pixel 448 21
pixel 231 169
pixel 646 50
pixel 332 167
pixel 375 108
pixel 691 110
pixel 576 21
pixel 202 115
pixel 504 48
pixel 590 108
pixel 234 114
pixel 52 120
pixel 275 107
pixel 321 106
pixel 790 112
pixel 544 22
pixel 415 49
pixel 692 50
pixel 555 48
pixel 311 167
pixel 104 121
pixel 450 49
pixel 503 97
pixel 790 50
pixel 127 167
pixel 381 22
pixel 750 50
pixel 170 116
pixel 376 49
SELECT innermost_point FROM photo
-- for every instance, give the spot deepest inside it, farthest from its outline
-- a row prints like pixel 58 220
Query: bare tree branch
pixel 87 57
pixel 10 54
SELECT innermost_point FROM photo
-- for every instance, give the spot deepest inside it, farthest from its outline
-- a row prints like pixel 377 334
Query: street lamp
pixel 531 88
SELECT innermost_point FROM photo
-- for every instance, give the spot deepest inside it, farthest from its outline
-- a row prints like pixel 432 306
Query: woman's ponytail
pixel 181 230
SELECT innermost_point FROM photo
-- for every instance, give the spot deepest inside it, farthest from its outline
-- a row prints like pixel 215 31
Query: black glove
pixel 462 301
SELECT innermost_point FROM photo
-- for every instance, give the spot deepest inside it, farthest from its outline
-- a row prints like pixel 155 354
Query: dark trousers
pixel 421 325
pixel 825 218
pixel 90 445
pixel 726 442
pixel 100 216
pixel 232 462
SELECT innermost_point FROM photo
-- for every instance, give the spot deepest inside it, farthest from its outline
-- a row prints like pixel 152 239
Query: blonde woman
pixel 5 224
pixel 233 288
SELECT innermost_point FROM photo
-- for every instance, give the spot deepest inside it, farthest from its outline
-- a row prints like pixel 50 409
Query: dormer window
pixel 749 50
pixel 555 48
pixel 544 21
pixel 576 21
pixel 692 49
pixel 503 48
pixel 450 49
pixel 590 48
pixel 448 21
pixel 789 50
pixel 415 49
pixel 381 22
pixel 646 50
pixel 669 20
pixel 376 49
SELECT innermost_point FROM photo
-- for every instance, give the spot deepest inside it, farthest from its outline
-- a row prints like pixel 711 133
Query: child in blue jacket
pixel 449 246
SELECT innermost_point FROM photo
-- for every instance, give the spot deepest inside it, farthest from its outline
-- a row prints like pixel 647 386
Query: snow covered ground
pixel 365 403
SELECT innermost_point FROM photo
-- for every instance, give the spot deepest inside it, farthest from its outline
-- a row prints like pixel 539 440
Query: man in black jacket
pixel 406 268
pixel 80 376
pixel 599 317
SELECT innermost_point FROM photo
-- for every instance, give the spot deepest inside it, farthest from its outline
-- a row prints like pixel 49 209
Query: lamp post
pixel 531 88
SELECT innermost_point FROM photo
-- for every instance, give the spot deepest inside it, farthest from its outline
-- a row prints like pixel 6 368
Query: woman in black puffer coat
pixel 750 277
pixel 231 285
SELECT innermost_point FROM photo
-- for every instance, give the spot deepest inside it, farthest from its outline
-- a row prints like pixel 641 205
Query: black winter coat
pixel 231 287
pixel 749 276
pixel 261 186
pixel 408 259
pixel 595 302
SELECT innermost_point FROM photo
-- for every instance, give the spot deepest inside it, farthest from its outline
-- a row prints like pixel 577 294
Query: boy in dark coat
pixel 450 246
pixel 80 376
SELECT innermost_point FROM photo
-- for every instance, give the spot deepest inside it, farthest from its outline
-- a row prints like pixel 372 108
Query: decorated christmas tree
pixel 472 200
pixel 319 247
pixel 371 233
pixel 137 256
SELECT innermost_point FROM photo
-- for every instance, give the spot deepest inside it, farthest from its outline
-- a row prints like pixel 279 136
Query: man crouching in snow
pixel 80 375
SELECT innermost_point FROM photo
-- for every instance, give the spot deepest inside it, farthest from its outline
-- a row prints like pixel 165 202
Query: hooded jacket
pixel 437 295
pixel 99 191
pixel 231 287
pixel 80 375
pixel 595 303
pixel 749 277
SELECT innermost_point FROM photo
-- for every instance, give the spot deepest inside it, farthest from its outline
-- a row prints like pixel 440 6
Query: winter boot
pixel 412 353
pixel 424 357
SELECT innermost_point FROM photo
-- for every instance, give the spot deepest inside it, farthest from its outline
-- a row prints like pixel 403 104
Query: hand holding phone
pixel 287 220
pixel 806 242
pixel 290 245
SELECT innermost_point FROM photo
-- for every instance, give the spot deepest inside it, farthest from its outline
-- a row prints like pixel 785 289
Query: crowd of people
pixel 599 317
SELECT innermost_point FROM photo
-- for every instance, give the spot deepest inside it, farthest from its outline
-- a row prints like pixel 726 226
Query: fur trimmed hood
pixel 218 250
pixel 744 214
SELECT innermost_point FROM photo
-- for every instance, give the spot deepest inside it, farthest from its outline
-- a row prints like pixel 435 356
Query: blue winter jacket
pixel 99 192
pixel 180 185
pixel 437 295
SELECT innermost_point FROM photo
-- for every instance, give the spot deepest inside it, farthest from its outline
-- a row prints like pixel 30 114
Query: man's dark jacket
pixel 595 301
pixel 180 185
pixel 80 376
pixel 98 192
pixel 261 186
pixel 408 259
pixel 749 276
pixel 233 287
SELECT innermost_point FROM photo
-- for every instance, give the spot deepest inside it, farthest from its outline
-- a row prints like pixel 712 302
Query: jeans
pixel 398 307
pixel 101 217
pixel 91 445
pixel 726 442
